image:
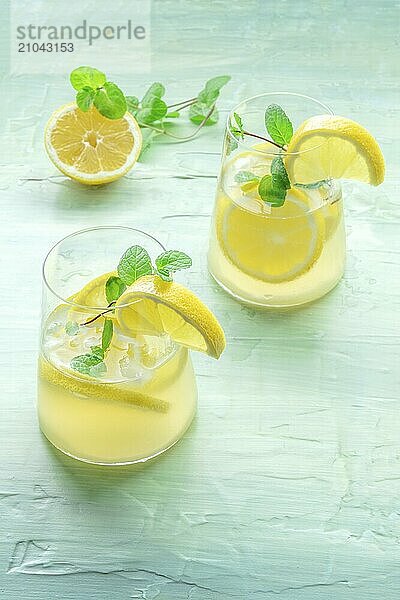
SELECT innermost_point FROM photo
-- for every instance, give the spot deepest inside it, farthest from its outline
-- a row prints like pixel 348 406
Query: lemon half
pixel 155 306
pixel 328 146
pixel 91 148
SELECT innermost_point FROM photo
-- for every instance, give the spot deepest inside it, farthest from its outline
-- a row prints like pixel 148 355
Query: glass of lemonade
pixel 265 255
pixel 141 399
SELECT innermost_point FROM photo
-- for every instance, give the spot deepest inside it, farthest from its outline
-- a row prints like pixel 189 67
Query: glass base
pixel 267 306
pixel 121 463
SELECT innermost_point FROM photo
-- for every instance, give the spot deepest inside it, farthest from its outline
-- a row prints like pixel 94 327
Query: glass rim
pixel 70 302
pixel 243 144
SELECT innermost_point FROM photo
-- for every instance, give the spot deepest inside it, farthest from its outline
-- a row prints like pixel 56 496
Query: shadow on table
pixel 95 478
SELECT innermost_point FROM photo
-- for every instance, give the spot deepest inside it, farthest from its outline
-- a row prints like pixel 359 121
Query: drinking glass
pixel 274 256
pixel 145 400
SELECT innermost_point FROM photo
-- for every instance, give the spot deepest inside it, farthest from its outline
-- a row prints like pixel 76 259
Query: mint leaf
pixel 230 144
pixel 107 334
pixel 199 111
pixel 110 101
pixel 237 130
pixel 84 98
pixel 155 110
pixel 245 176
pixel 134 263
pixel 114 288
pixel 270 192
pixel 279 173
pixel 84 363
pixel 278 124
pixel 71 328
pixel 156 90
pixel 87 77
pixel 98 369
pixel 132 104
pixel 206 99
pixel 173 115
pixel 97 351
pixel 211 90
pixel 171 261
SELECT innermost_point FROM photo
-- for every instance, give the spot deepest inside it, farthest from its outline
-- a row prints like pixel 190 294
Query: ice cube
pixel 154 351
pixel 129 366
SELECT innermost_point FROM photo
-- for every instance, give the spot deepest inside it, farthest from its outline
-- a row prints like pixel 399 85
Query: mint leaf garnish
pixel 84 363
pixel 238 130
pixel 199 111
pixel 110 101
pixel 132 104
pixel 211 90
pixel 71 328
pixel 279 173
pixel 84 98
pixel 134 263
pixel 278 124
pixel 206 99
pixel 154 111
pixel 97 351
pixel 152 107
pixel 114 288
pixel 98 369
pixel 171 261
pixel 107 334
pixel 156 90
pixel 270 192
pixel 87 77
pixel 245 176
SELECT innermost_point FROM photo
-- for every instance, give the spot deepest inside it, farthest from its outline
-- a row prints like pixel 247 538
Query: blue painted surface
pixel 288 483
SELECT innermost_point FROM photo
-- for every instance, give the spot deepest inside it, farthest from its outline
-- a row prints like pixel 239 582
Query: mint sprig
pixel 171 261
pixel 134 263
pixel 93 88
pixel 278 125
pixel 151 112
pixel 114 288
pixel 89 364
pixel 272 188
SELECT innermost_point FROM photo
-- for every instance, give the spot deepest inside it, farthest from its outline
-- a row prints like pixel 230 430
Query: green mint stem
pixel 178 137
pixel 93 319
pixel 260 137
pixel 188 102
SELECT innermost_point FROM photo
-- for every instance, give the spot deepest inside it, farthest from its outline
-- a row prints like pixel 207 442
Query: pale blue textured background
pixel 288 484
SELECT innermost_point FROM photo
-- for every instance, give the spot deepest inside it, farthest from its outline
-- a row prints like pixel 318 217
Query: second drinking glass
pixel 273 256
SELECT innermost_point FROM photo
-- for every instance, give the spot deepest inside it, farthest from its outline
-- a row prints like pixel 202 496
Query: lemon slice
pixel 272 248
pixel 93 294
pixel 91 148
pixel 103 391
pixel 151 304
pixel 334 147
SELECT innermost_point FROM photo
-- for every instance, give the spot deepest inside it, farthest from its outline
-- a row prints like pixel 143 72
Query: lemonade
pixel 277 236
pixel 115 379
pixel 275 256
pixel 143 406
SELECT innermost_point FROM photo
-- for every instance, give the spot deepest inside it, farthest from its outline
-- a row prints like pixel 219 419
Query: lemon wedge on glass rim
pixel 333 147
pixel 90 148
pixel 151 305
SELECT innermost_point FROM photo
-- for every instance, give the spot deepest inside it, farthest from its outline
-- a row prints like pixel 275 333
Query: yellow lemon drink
pixel 277 236
pixel 115 379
